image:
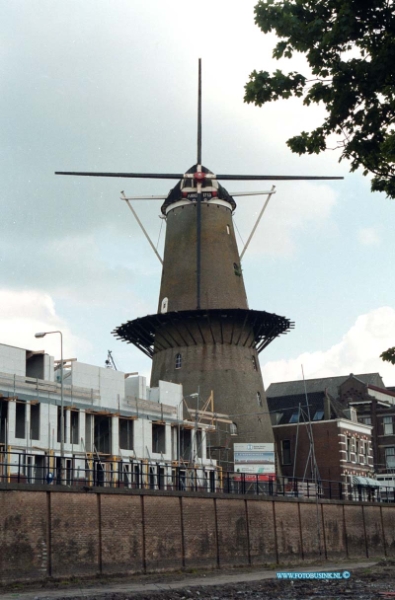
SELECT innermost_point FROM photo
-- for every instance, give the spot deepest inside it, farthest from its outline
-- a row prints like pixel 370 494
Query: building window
pixel 178 361
pixel 59 425
pixel 367 420
pixel 348 449
pixel 74 427
pixel 276 417
pixel 361 452
pixel 259 399
pixel 126 434
pixel 20 420
pixel 158 438
pixel 286 452
pixel 318 415
pixel 254 363
pixel 294 417
pixel 390 458
pixel 388 426
pixel 35 421
pixel 353 449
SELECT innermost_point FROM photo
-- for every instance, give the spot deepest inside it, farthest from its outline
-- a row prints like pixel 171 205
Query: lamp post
pixel 42 334
pixel 195 395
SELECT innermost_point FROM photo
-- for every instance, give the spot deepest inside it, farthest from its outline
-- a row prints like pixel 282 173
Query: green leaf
pixel 350 48
pixel 389 355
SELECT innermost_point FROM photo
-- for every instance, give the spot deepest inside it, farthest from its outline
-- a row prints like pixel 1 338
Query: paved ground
pixel 368 581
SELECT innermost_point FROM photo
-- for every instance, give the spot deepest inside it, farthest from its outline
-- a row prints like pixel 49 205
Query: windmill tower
pixel 204 336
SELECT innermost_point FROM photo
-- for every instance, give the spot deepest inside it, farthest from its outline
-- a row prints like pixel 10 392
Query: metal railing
pixel 96 471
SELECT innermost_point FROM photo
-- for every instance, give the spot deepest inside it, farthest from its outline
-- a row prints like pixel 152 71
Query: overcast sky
pixel 111 85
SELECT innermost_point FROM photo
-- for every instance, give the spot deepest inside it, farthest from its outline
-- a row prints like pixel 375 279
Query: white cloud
pixel 25 313
pixel 369 236
pixel 358 352
pixel 294 209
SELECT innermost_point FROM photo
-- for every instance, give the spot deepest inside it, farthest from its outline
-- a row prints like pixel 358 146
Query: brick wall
pixel 220 287
pixel 326 447
pixel 65 533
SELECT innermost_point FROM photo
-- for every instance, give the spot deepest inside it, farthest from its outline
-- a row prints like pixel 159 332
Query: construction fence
pixel 22 468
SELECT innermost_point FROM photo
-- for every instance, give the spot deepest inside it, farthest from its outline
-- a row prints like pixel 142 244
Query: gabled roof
pixel 295 388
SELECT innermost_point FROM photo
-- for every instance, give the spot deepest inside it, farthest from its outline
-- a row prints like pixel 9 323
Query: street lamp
pixel 197 396
pixel 42 334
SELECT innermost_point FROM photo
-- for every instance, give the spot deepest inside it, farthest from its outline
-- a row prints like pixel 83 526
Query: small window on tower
pixel 254 363
pixel 233 429
pixel 259 399
pixel 178 361
pixel 237 269
pixel 164 305
pixel 228 229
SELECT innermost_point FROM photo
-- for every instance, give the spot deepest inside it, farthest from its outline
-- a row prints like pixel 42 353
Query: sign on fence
pixel 255 461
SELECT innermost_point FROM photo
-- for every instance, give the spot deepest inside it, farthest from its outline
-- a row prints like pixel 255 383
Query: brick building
pixel 375 406
pixel 342 450
pixel 341 444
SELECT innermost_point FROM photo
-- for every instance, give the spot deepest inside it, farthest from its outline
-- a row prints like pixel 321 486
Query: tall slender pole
pixel 199 192
pixel 61 402
pixel 196 424
pixel 198 244
pixel 199 130
pixel 42 334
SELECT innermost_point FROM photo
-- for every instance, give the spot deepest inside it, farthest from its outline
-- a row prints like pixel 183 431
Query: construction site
pixel 74 422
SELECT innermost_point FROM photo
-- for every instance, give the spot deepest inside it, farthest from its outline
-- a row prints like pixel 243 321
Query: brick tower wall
pixel 232 372
pixel 220 286
pixel 230 368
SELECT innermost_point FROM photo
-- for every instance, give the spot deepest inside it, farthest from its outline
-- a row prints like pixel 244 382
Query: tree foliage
pixel 389 355
pixel 350 48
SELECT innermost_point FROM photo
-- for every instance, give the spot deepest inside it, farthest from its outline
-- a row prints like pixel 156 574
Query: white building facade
pixel 117 431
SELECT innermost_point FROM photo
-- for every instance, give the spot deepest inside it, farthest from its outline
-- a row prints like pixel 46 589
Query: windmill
pixel 204 335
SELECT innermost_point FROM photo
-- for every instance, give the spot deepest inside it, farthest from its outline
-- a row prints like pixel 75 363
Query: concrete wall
pixel 12 360
pixel 110 383
pixel 64 533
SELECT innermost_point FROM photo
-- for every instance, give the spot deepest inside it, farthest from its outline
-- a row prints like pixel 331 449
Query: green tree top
pixel 350 47
pixel 389 355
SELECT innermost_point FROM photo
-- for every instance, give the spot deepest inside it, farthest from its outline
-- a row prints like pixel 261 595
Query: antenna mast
pixel 199 191
pixel 199 130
